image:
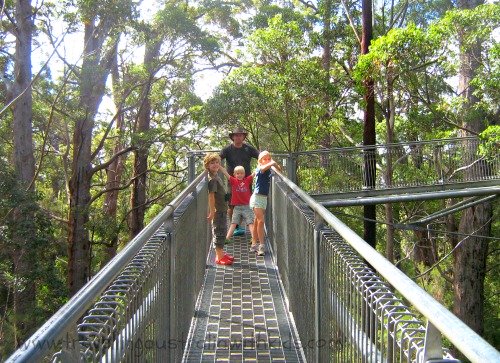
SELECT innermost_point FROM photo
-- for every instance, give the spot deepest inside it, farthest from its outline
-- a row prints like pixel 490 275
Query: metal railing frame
pixel 63 330
pixel 440 321
pixel 294 161
pixel 63 326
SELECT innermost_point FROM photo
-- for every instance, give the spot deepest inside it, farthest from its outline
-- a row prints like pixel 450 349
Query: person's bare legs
pixel 219 253
pixel 259 222
pixel 259 225
pixel 252 232
pixel 232 227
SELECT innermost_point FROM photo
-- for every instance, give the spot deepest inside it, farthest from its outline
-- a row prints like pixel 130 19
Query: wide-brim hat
pixel 238 130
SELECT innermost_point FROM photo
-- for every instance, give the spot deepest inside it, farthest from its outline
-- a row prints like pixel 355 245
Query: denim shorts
pixel 258 201
pixel 242 212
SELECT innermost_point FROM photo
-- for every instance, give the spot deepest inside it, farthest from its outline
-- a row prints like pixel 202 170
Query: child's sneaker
pixel 254 248
pixel 239 232
pixel 260 250
pixel 228 241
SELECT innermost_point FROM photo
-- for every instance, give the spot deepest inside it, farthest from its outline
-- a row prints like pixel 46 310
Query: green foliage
pixel 40 251
pixel 491 284
pixel 280 71
pixel 489 148
pixel 106 10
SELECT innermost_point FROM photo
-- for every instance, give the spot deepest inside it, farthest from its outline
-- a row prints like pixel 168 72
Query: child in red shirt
pixel 240 198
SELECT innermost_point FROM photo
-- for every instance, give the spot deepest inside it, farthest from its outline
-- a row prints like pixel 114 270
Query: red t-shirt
pixel 240 190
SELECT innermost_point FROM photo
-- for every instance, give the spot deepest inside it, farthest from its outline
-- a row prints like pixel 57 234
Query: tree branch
pixel 14 100
pixel 309 4
pixel 107 163
pixel 351 23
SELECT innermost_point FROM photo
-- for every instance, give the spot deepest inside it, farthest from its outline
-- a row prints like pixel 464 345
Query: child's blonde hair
pixel 209 158
pixel 262 154
pixel 239 168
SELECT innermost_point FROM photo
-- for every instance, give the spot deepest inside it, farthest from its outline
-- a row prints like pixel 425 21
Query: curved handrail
pixel 464 338
pixel 69 313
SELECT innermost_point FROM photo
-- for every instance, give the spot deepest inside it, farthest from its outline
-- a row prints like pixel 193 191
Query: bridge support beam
pixel 191 167
pixel 433 351
pixel 70 350
pixel 169 317
pixel 318 226
pixel 291 167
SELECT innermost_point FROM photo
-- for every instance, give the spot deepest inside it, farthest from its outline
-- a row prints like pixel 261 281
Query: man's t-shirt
pixel 239 156
pixel 215 185
pixel 240 190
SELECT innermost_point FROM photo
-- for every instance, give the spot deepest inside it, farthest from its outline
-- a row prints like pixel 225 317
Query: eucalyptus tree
pixel 369 139
pixel 18 97
pixel 470 256
pixel 276 92
pixel 174 41
pixel 102 23
pixel 115 170
pixel 425 105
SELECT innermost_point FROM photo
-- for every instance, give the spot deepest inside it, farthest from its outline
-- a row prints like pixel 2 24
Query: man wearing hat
pixel 238 153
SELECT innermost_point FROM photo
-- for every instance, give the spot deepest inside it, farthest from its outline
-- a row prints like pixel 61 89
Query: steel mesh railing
pixel 402 165
pixel 140 306
pixel 348 302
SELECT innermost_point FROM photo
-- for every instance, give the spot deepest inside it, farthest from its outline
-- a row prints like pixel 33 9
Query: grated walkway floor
pixel 241 314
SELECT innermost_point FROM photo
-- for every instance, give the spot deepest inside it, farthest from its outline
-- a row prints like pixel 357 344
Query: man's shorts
pixel 242 211
pixel 258 201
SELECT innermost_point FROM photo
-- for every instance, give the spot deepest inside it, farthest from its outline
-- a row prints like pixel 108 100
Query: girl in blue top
pixel 258 200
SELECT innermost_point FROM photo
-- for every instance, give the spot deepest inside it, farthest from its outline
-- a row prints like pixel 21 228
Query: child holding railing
pixel 258 201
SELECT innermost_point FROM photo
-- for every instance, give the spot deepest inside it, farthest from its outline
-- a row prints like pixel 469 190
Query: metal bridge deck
pixel 241 314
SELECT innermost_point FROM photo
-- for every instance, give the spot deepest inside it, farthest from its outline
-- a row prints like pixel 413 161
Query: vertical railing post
pixel 439 163
pixel 291 167
pixel 433 347
pixel 191 167
pixel 270 216
pixel 169 299
pixel 318 225
pixel 70 349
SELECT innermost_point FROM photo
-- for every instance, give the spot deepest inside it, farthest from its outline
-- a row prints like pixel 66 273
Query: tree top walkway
pixel 322 283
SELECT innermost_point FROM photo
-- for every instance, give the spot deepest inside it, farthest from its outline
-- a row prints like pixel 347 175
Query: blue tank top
pixel 262 181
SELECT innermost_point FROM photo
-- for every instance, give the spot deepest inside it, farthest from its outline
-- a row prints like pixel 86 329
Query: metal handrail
pixel 67 316
pixel 453 163
pixel 464 338
pixel 385 146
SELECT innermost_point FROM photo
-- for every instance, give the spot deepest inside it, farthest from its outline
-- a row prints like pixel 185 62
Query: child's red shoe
pixel 229 257
pixel 224 261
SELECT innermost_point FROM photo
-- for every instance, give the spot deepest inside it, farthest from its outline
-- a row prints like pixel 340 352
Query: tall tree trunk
pixel 326 59
pixel 92 84
pixel 138 198
pixel 389 213
pixel 24 159
pixel 24 299
pixel 470 255
pixel 424 252
pixel 115 170
pixel 369 211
